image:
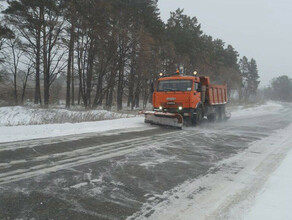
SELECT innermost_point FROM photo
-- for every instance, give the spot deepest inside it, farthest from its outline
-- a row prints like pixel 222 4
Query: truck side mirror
pixel 152 87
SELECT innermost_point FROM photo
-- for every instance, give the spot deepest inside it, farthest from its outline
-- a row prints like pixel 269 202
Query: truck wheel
pixel 198 117
pixel 211 117
pixel 214 117
pixel 220 113
pixel 224 113
pixel 188 121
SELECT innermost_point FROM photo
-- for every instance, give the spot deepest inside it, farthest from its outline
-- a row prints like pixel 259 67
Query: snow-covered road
pixel 274 200
pixel 229 192
pixel 124 169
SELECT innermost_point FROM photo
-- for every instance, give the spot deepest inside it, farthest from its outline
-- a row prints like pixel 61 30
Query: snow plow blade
pixel 166 119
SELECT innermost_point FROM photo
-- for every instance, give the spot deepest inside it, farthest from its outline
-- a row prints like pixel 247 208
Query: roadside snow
pixel 16 133
pixel 17 115
pixel 275 199
pixel 24 116
pixel 268 108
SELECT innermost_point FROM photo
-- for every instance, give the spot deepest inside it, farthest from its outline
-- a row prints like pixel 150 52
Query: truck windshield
pixel 175 85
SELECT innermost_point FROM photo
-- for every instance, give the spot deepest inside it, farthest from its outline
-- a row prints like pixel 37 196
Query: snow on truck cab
pixel 178 99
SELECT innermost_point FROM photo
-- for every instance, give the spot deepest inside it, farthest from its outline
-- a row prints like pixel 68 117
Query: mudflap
pixel 227 116
pixel 165 119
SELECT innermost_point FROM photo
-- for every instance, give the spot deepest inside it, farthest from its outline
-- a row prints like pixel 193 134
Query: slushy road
pixel 140 173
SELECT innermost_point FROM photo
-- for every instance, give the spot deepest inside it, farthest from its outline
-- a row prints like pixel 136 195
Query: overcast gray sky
pixel 260 29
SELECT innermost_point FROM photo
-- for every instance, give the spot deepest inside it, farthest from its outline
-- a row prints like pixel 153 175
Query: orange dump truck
pixel 178 99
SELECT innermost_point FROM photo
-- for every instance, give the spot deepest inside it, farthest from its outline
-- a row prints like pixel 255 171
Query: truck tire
pixel 198 116
pixel 211 117
pixel 214 117
pixel 224 113
pixel 221 113
pixel 217 115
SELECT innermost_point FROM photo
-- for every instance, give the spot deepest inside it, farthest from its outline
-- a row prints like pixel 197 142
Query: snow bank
pixel 26 116
pixel 16 133
pixel 13 116
pixel 268 108
pixel 275 199
pixel 17 115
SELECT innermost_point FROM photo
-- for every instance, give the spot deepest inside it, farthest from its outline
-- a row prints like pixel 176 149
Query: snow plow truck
pixel 179 100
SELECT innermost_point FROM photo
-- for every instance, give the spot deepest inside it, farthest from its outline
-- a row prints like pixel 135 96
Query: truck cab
pixel 177 94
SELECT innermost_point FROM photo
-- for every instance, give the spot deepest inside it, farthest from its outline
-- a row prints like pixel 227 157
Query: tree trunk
pixel 37 93
pixel 147 92
pixel 80 94
pixel 89 74
pixel 98 95
pixel 15 89
pixel 45 63
pixel 15 64
pixel 70 75
pixel 110 90
pixel 69 67
pixel 131 87
pixel 24 88
pixel 79 65
pixel 68 82
pixel 132 77
pixel 120 90
pixel 136 103
pixel 73 78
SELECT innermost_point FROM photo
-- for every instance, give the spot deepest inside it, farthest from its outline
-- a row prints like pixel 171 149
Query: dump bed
pixel 217 94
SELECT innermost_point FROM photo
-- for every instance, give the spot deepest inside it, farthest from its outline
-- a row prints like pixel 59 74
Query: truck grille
pixel 171 104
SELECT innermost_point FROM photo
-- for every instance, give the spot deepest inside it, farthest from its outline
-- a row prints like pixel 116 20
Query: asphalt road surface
pixel 123 174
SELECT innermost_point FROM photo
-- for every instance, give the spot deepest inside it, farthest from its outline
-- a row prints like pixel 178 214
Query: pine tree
pixel 185 33
pixel 253 77
pixel 250 77
pixel 282 88
pixel 244 70
pixel 5 33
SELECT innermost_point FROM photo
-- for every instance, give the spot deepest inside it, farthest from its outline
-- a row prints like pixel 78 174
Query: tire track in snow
pixel 79 151
pixel 16 145
pixel 214 196
pixel 87 155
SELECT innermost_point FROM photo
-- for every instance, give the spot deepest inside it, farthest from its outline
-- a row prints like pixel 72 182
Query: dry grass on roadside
pixel 14 116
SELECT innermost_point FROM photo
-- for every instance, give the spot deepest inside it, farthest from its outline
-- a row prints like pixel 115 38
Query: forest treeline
pixel 280 89
pixel 109 52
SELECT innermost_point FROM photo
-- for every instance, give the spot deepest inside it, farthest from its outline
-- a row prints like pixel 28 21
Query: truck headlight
pixel 160 108
pixel 180 108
